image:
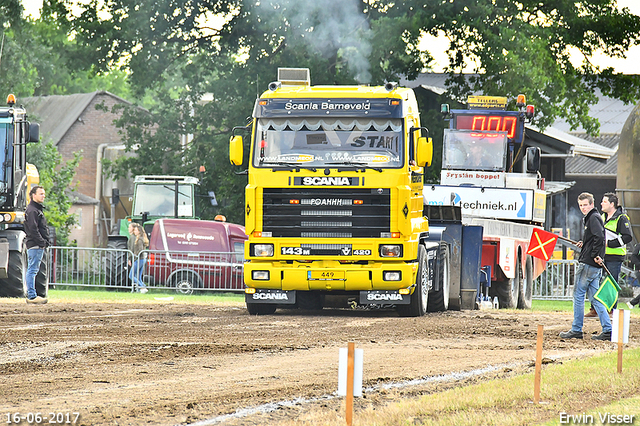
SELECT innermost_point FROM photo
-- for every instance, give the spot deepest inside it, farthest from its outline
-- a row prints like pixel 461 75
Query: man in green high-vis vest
pixel 618 235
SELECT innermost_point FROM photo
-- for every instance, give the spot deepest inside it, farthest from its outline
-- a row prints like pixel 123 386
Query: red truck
pixel 196 254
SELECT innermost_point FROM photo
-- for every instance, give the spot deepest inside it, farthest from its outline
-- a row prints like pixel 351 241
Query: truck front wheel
pixel 509 289
pixel 526 285
pixel 260 309
pixel 419 299
pixel 439 300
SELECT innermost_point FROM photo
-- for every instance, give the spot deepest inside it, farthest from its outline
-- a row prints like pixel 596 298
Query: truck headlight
pixel 260 275
pixel 392 276
pixel 263 250
pixel 391 250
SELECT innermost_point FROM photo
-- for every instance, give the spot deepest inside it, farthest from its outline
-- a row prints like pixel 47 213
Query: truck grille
pixel 326 212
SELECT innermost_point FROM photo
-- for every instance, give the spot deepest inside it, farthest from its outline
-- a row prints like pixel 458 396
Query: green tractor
pixel 154 197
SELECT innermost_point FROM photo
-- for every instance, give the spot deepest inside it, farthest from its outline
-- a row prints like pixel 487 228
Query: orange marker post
pixel 350 363
pixel 538 372
pixel 620 338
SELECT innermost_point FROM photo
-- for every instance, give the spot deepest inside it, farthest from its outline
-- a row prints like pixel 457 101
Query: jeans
pixel 587 283
pixel 137 269
pixel 34 256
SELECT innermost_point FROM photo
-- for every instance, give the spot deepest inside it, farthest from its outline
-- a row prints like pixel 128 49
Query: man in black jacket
pixel 617 235
pixel 35 226
pixel 589 271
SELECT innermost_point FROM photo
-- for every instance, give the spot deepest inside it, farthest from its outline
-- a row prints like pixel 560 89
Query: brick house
pixel 73 124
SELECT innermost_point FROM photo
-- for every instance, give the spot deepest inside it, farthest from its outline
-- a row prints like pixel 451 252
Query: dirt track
pixel 163 363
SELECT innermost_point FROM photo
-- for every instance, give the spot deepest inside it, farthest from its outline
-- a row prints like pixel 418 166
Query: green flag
pixel 607 294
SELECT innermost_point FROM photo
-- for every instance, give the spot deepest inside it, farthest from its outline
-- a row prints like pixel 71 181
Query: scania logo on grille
pixel 326 181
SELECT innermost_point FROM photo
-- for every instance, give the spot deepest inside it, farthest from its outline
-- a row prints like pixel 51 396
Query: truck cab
pixel 333 204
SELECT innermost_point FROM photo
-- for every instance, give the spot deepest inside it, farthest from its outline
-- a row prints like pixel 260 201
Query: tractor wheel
pixel 420 296
pixel 117 267
pixel 439 300
pixel 15 284
pixel 42 279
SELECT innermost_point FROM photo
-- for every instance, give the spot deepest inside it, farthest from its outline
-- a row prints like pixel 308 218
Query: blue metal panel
pixel 470 267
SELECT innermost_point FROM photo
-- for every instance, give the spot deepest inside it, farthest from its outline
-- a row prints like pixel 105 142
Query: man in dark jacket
pixel 589 271
pixel 35 226
pixel 618 235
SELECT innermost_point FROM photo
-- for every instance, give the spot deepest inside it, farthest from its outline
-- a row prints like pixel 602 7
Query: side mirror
pixel 424 153
pixel 235 150
pixel 34 132
pixel 533 159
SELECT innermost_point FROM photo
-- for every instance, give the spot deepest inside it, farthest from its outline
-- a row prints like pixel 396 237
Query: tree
pixel 40 58
pixel 175 53
pixel 55 177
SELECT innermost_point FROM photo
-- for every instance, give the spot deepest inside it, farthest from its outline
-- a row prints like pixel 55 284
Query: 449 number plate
pixel 325 275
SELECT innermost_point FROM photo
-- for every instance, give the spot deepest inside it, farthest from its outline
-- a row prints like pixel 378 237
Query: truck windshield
pixel 316 142
pixel 159 200
pixel 474 150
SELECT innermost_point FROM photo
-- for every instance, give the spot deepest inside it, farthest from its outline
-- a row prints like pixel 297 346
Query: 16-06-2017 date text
pixel 49 418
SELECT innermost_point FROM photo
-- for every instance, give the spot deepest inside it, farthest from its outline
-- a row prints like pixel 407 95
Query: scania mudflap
pixel 376 297
pixel 269 296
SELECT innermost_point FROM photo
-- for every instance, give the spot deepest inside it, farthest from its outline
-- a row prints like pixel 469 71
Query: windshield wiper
pixel 286 165
pixel 356 164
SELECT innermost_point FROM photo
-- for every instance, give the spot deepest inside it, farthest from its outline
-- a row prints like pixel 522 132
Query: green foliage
pixel 40 58
pixel 55 176
pixel 173 52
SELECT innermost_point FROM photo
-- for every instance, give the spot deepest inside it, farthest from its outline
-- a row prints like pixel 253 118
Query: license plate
pixel 325 275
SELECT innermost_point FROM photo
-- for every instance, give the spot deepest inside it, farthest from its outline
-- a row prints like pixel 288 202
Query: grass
pixel 101 295
pixel 566 305
pixel 590 386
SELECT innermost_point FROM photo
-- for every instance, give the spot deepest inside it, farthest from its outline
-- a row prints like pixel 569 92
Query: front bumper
pixel 328 275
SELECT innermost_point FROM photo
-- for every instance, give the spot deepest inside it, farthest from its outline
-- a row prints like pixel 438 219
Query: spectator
pixel 35 226
pixel 589 271
pixel 618 235
pixel 138 242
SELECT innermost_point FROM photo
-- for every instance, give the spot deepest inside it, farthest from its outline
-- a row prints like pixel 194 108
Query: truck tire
pixel 439 300
pixel 309 301
pixel 526 285
pixel 15 284
pixel 419 299
pixel 509 289
pixel 186 282
pixel 117 266
pixel 261 308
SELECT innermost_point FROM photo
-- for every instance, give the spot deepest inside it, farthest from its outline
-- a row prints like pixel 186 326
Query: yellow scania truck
pixel 334 201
